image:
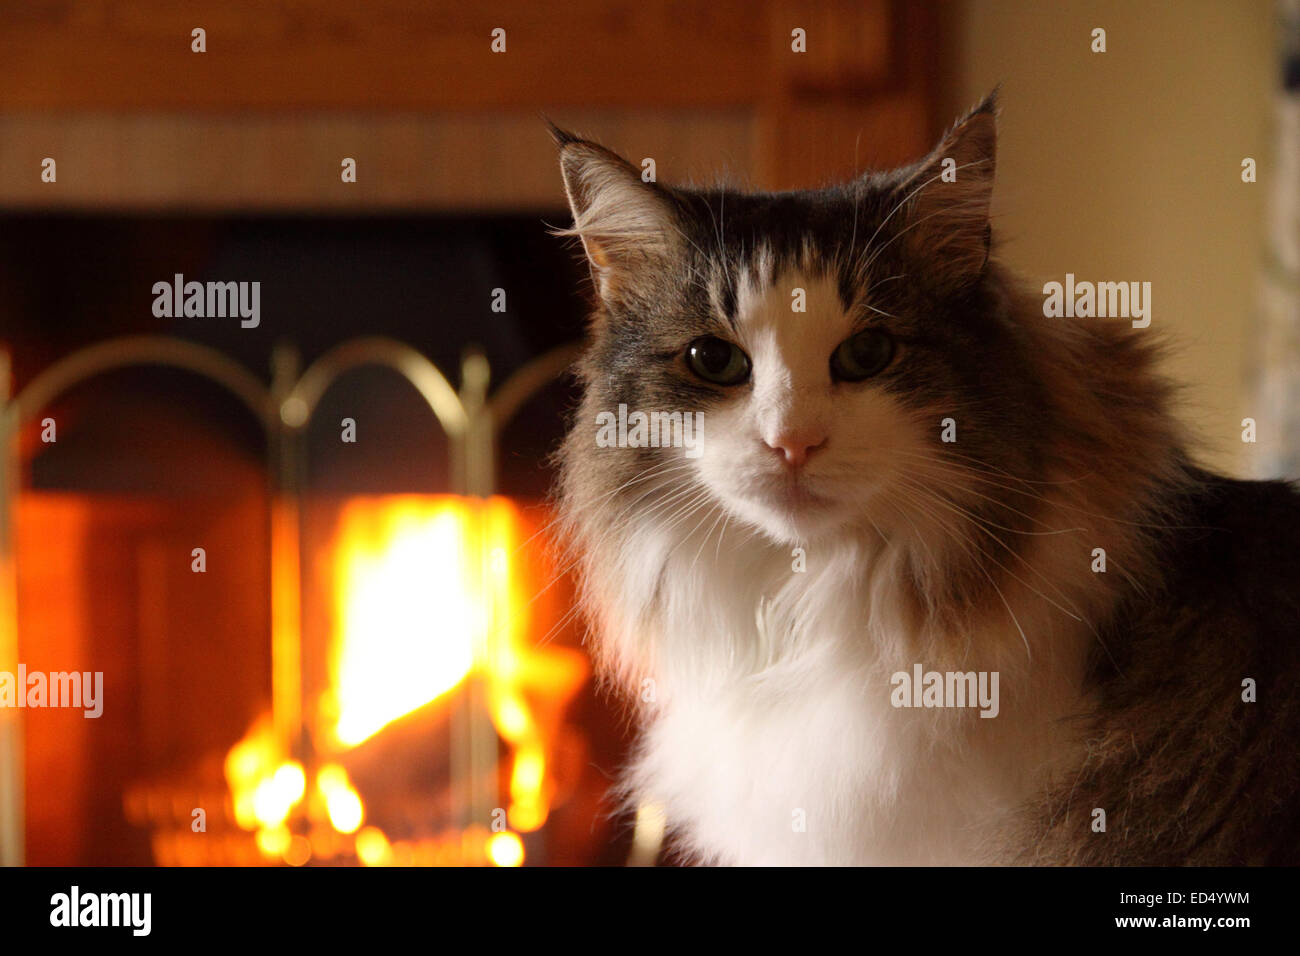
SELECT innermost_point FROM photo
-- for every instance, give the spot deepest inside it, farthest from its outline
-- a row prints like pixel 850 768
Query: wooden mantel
pixel 435 119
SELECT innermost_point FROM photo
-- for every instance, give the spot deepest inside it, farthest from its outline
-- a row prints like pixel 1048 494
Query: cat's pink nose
pixel 795 447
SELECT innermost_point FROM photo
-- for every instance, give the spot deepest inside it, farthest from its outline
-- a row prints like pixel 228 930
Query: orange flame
pixel 428 590
pixel 407 612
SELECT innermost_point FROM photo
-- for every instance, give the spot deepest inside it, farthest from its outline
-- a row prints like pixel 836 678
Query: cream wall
pixel 1126 165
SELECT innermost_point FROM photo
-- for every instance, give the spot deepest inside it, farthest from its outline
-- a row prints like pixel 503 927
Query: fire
pixel 265 786
pixel 342 803
pixel 373 848
pixel 428 591
pixel 505 849
pixel 408 613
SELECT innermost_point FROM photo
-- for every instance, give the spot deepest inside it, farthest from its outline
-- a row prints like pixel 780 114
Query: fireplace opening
pixel 445 712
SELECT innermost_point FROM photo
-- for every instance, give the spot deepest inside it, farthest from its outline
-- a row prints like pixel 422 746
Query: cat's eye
pixel 862 355
pixel 718 361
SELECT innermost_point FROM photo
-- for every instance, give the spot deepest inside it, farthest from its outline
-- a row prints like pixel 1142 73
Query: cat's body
pixel 915 472
pixel 1195 775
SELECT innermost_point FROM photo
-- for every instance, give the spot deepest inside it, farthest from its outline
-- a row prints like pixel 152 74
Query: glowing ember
pixel 373 848
pixel 342 803
pixel 505 849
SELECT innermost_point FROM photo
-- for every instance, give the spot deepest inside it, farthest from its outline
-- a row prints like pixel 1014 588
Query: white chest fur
pixel 774 740
pixel 820 771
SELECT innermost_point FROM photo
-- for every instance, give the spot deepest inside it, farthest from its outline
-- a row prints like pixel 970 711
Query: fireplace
pixel 323 598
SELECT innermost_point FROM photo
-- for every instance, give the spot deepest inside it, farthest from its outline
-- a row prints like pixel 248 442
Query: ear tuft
pixel 561 137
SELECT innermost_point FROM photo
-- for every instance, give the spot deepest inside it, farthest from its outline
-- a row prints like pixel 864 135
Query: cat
pixel 915 472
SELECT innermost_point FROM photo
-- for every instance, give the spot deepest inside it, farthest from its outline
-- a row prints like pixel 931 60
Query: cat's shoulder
pixel 1222 591
pixel 1194 680
pixel 1268 508
pixel 1237 541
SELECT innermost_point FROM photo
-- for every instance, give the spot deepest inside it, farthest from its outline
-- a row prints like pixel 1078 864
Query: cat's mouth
pixel 792 495
pixel 791 509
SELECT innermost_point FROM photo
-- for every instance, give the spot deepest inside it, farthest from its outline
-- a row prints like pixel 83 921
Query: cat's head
pixel 828 339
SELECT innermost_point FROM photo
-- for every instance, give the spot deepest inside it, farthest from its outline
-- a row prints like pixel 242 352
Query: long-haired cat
pixel 909 489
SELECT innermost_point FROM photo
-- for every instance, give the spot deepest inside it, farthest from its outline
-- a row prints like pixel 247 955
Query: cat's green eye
pixel 862 355
pixel 718 361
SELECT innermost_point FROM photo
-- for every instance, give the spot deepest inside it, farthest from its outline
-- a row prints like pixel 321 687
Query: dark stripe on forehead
pixel 847 284
pixel 727 293
pixel 761 236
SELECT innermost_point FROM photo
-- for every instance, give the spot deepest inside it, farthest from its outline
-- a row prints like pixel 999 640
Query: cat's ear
pixel 946 198
pixel 628 227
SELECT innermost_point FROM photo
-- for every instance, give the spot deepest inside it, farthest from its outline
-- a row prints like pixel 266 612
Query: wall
pixel 1126 166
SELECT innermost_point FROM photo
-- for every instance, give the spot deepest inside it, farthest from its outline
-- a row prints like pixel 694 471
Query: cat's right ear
pixel 947 199
pixel 628 227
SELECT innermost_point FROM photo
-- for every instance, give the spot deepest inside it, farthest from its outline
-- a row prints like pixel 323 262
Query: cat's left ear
pixel 947 196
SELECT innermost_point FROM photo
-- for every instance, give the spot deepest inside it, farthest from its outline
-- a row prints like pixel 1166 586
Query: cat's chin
pixel 793 522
